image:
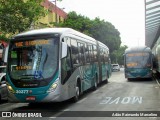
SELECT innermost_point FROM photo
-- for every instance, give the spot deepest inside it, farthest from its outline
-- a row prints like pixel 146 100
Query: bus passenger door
pixel 66 64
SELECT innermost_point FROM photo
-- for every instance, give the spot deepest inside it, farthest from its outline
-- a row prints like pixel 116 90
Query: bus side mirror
pixel 64 50
pixel 5 54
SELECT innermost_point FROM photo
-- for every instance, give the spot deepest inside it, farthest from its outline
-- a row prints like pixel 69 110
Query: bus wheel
pixel 77 94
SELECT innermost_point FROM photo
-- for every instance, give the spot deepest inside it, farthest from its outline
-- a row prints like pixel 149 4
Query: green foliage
pixel 77 22
pixel 3 38
pixel 98 29
pixel 106 33
pixel 17 15
pixel 117 55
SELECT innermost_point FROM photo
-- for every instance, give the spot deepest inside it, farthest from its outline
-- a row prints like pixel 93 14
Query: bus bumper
pixel 149 75
pixel 48 97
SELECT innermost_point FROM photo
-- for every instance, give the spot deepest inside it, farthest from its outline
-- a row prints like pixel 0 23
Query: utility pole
pixel 55 3
pixel 56 11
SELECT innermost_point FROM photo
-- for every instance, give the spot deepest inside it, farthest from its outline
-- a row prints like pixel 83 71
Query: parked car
pixel 3 86
pixel 115 67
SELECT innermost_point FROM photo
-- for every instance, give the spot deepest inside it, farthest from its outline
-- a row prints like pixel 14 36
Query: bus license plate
pixel 30 98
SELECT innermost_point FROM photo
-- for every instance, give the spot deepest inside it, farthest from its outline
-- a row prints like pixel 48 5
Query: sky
pixel 128 16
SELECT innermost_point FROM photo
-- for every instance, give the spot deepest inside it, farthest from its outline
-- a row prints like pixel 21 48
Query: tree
pixel 106 33
pixel 18 15
pixel 98 29
pixel 77 22
pixel 3 38
pixel 117 55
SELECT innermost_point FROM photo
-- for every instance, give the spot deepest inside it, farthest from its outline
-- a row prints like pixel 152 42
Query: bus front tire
pixel 77 94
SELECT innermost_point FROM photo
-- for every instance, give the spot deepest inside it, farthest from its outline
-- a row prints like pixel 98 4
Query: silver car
pixel 115 67
pixel 3 86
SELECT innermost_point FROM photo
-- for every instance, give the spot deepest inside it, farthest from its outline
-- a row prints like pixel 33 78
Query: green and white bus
pixel 138 62
pixel 54 64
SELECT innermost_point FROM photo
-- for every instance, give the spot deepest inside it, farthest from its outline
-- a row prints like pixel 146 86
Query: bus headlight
pixel 52 88
pixel 10 89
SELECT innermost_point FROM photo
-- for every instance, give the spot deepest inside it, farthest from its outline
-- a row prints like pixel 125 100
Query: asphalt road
pixel 120 99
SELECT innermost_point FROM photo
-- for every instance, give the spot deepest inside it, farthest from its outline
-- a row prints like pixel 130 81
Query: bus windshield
pixel 33 59
pixel 138 60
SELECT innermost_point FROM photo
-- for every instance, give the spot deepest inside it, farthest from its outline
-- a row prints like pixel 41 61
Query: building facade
pixel 152 23
pixel 54 15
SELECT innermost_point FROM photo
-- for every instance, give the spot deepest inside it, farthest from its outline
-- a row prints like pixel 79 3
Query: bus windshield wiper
pixel 28 75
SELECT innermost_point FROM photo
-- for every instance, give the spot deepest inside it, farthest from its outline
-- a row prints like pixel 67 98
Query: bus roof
pixel 138 49
pixel 51 31
pixel 62 31
pixel 102 45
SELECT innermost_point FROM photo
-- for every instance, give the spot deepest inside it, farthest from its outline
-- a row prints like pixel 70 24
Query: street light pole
pixel 55 2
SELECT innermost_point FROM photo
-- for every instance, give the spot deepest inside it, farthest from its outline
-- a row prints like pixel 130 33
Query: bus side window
pixel 87 54
pixel 95 53
pixel 66 66
pixel 81 53
pixel 106 56
pixel 74 53
pixel 102 55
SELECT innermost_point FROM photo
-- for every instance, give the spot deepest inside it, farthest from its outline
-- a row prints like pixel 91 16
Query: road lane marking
pixel 82 100
pixel 103 87
pixel 5 104
pixel 96 91
pixel 158 82
pixel 56 115
pixel 122 100
pixel 66 110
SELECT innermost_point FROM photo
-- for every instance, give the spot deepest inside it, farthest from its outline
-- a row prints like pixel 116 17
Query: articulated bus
pixel 54 64
pixel 138 62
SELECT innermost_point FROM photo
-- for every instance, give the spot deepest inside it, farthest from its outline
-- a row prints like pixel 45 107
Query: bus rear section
pixel 138 64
